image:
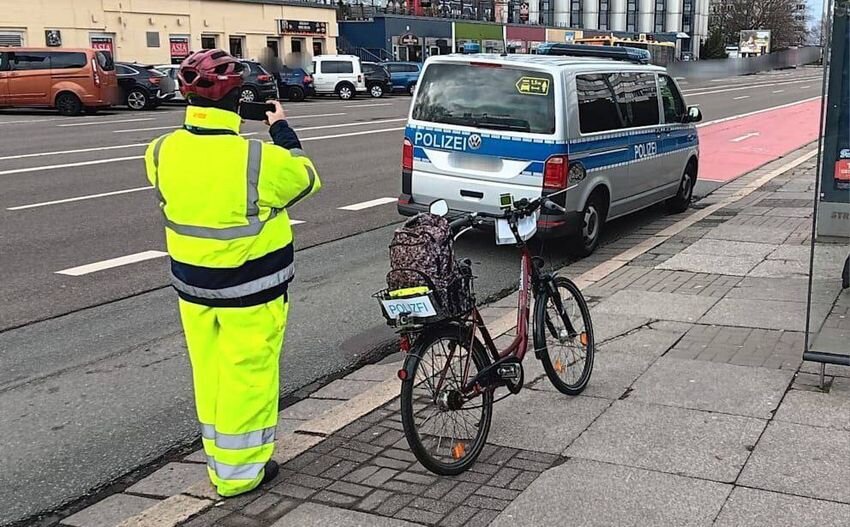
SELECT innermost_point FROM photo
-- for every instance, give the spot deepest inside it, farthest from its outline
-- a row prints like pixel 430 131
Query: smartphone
pixel 255 111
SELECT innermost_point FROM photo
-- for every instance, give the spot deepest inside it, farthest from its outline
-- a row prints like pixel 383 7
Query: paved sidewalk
pixel 699 410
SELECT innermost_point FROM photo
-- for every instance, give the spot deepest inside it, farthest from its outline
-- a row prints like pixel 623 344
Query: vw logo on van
pixel 474 142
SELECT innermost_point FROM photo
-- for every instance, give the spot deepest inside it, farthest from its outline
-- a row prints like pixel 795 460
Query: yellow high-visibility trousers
pixel 235 356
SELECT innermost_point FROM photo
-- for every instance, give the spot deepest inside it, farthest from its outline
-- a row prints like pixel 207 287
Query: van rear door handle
pixel 471 194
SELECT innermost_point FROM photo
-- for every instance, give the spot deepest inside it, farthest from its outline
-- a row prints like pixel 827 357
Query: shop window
pixel 236 46
pixel 152 38
pixel 297 45
pixel 274 46
pixel 209 42
pixel 318 48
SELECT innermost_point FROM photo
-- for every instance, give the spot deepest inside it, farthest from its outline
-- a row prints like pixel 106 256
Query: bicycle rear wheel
pixel 445 434
pixel 563 336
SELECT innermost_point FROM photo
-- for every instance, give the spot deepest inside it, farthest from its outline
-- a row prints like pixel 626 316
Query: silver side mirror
pixel 439 208
pixel 694 114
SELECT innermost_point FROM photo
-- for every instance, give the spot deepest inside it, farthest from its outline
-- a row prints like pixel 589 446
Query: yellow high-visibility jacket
pixel 224 199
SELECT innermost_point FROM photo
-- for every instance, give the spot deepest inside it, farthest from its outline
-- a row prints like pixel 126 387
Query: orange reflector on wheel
pixel 458 451
pixel 559 366
pixel 583 338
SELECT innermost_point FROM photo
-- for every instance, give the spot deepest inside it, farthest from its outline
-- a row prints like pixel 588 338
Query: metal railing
pixel 713 69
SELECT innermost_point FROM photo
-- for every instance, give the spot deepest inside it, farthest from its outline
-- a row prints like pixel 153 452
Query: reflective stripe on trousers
pixel 238 441
pixel 231 472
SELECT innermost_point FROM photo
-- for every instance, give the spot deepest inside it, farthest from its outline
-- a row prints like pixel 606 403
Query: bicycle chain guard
pixel 506 372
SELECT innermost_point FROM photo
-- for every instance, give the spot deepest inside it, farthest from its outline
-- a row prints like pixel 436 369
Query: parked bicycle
pixel 453 367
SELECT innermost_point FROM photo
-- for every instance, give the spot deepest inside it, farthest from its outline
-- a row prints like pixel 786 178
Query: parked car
pixel 70 80
pixel 338 74
pixel 143 86
pixel 294 84
pixel 171 71
pixel 377 79
pixel 259 84
pixel 404 75
pixel 601 128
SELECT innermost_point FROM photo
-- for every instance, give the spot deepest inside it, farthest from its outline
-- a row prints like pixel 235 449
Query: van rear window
pixel 487 96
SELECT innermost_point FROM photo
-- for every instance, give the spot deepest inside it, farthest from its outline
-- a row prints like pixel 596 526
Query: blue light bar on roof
pixel 636 55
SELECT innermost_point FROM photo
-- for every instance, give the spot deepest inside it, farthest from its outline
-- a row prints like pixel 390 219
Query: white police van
pixel 598 121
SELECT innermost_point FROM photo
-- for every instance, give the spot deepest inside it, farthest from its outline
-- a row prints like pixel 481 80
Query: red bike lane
pixel 730 149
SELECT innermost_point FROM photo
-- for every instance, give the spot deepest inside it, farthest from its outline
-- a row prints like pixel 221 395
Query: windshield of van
pixel 487 96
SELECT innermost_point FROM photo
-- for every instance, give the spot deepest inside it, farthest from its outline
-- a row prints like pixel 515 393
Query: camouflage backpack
pixel 421 254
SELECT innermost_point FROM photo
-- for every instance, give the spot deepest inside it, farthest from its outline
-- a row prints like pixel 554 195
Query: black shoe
pixel 270 472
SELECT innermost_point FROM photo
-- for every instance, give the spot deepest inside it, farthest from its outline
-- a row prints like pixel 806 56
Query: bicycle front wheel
pixel 563 336
pixel 445 432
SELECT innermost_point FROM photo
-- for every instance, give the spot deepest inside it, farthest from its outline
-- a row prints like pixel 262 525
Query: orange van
pixel 70 80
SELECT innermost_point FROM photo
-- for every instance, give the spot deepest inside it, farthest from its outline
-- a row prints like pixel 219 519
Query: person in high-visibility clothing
pixel 225 201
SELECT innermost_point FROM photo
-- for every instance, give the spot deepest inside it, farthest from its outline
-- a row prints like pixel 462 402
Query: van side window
pixel 66 60
pixel 4 61
pixel 638 95
pixel 598 110
pixel 674 106
pixel 30 61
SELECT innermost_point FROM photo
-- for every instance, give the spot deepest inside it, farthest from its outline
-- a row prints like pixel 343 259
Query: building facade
pixel 165 31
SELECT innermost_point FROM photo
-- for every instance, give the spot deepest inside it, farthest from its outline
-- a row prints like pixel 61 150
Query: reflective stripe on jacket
pixel 224 201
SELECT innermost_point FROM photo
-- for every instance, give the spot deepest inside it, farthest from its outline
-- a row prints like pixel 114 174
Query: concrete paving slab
pixel 759 508
pixel 609 325
pixel 790 212
pixel 648 339
pixel 308 409
pixel 110 511
pixel 831 410
pixel 315 515
pixel 675 440
pixel 832 370
pixel 713 387
pixel 658 306
pixel 171 479
pixel 374 372
pixel 613 373
pixel 342 389
pixel 766 314
pixel 779 269
pixel 791 253
pixel 748 233
pixel 288 426
pixel 707 263
pixel 612 495
pixel 765 288
pixel 803 460
pixel 731 249
pixel 543 421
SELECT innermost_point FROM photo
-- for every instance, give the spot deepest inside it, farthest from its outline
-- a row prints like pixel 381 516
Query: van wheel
pixel 137 99
pixel 296 93
pixel 682 200
pixel 345 91
pixel 68 104
pixel 592 221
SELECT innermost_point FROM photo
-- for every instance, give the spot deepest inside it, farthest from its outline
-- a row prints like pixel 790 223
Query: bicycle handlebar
pixel 522 208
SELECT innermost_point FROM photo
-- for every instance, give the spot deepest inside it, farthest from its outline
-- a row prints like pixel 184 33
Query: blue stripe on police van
pixel 524 149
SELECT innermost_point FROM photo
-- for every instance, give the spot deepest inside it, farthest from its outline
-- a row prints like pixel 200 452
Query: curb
pixel 200 495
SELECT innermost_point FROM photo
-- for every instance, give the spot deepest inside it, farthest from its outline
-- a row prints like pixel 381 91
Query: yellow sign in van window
pixel 533 86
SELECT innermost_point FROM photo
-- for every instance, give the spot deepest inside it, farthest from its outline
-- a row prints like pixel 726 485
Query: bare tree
pixel 786 19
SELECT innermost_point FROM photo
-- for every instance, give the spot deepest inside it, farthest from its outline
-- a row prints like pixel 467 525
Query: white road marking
pixel 723 89
pixel 756 112
pixel 745 137
pixel 69 165
pixel 805 87
pixel 175 127
pixel 107 122
pixel 369 204
pixel 79 198
pixel 78 151
pixel 382 121
pixel 295 222
pixel 111 263
pixel 369 105
pixel 352 134
pixel 741 97
pixel 778 91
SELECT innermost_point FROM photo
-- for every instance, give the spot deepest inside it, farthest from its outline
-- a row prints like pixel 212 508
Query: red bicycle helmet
pixel 211 74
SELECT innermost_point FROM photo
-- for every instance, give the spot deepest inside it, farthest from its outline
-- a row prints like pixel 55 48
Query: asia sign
pixel 179 47
pixel 102 44
pixel 755 41
pixel 302 27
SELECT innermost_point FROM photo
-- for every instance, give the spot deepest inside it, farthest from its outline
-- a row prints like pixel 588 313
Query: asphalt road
pixel 94 381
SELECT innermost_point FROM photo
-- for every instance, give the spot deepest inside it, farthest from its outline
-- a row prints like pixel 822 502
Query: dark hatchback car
pixel 295 84
pixel 143 87
pixel 259 84
pixel 378 80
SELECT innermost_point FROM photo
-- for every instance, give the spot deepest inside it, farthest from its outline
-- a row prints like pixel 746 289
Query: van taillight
pixel 555 173
pixel 407 155
pixel 95 75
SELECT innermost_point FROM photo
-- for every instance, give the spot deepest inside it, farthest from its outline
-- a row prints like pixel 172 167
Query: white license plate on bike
pixel 417 306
